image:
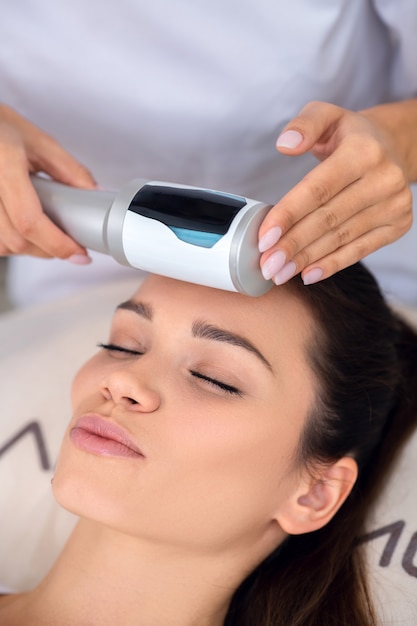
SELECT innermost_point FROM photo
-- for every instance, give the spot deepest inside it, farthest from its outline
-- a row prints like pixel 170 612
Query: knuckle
pixel 396 178
pixel 320 192
pixel 402 210
pixel 329 218
pixel 25 224
pixel 371 151
pixel 403 225
pixel 343 236
pixel 406 199
pixel 404 196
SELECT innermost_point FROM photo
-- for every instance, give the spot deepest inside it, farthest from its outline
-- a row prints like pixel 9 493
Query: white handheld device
pixel 188 233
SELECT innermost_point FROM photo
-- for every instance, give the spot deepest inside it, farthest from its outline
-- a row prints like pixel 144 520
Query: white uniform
pixel 196 93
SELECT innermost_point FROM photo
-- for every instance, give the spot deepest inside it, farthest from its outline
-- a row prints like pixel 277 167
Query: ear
pixel 317 499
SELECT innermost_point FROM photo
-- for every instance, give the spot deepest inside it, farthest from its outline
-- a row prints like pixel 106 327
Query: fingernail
pixel 313 276
pixel 270 238
pixel 289 139
pixel 273 264
pixel 285 274
pixel 79 259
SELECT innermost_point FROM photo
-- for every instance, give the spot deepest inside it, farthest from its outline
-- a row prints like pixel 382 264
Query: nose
pixel 126 389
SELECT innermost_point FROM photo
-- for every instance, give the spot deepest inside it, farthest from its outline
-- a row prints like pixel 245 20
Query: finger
pixel 390 195
pixel 44 153
pixel 12 243
pixel 50 157
pixel 313 124
pixel 347 234
pixel 316 189
pixel 356 238
pixel 346 255
pixel 28 224
pixel 340 258
pixel 29 251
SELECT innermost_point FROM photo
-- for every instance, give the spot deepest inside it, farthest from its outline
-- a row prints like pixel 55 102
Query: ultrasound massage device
pixel 197 235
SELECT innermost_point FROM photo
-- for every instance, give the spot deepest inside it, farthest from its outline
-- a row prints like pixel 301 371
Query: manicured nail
pixel 285 274
pixel 273 264
pixel 79 259
pixel 313 276
pixel 270 238
pixel 289 139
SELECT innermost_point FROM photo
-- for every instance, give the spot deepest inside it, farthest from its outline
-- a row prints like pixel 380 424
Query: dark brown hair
pixel 365 361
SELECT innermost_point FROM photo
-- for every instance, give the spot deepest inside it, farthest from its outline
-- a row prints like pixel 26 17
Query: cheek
pixel 228 471
pixel 246 454
pixel 253 435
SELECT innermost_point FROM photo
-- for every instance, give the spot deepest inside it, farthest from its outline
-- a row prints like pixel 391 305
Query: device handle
pixel 81 213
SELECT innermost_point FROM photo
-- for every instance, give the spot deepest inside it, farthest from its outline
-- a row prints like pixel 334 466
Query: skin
pixel 166 537
pixel 355 201
pixel 26 149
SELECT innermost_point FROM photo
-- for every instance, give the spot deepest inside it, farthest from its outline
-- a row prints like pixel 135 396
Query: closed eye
pixel 217 383
pixel 112 347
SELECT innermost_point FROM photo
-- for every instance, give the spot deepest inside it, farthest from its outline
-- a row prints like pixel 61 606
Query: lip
pixel 98 435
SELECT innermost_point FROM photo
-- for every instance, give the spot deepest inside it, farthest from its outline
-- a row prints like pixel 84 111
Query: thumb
pixel 312 125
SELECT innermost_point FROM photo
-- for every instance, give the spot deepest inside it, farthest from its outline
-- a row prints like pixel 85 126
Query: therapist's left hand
pixel 356 200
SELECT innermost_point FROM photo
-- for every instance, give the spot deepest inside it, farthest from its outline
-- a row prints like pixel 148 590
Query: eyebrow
pixel 140 308
pixel 202 330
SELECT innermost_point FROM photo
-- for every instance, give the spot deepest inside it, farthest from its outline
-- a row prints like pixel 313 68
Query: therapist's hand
pixel 356 200
pixel 24 228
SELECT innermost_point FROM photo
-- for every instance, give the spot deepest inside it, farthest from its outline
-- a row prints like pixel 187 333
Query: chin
pixel 79 486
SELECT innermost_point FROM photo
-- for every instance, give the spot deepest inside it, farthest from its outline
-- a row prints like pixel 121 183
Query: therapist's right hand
pixel 24 227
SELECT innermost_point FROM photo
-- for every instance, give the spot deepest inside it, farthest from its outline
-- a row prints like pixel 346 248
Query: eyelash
pixel 217 383
pixel 111 347
pixel 230 389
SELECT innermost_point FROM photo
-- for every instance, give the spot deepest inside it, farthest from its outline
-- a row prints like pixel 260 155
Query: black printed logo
pixel 34 430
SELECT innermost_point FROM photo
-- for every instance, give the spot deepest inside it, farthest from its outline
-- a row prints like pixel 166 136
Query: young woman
pixel 222 456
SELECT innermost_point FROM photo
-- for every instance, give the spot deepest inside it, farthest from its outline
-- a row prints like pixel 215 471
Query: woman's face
pixel 185 429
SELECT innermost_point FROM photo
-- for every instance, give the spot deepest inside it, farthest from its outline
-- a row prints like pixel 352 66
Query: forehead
pixel 277 322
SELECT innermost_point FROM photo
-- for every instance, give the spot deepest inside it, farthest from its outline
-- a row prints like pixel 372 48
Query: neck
pixel 104 578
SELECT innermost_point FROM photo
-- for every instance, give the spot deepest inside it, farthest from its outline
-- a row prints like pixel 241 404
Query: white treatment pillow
pixel 40 350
